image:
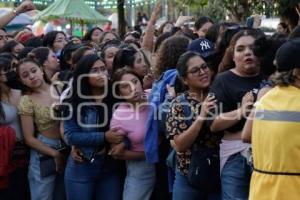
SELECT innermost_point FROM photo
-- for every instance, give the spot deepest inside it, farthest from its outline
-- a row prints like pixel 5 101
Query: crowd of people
pixel 169 113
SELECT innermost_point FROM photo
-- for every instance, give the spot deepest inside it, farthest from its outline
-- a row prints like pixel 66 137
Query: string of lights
pixel 106 4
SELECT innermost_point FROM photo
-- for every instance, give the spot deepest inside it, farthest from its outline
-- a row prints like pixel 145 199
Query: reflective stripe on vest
pixel 271 115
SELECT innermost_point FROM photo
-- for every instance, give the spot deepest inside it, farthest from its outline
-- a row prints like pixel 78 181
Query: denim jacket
pixel 157 97
pixel 83 132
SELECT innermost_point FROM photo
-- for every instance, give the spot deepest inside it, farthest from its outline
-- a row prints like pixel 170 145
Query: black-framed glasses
pixel 200 68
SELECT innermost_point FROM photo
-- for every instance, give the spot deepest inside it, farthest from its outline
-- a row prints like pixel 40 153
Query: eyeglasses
pixel 197 69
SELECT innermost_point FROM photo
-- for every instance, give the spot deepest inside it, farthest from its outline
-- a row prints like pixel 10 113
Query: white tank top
pixel 12 119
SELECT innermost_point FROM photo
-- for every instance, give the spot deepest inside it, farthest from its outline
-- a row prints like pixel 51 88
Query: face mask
pixel 12 80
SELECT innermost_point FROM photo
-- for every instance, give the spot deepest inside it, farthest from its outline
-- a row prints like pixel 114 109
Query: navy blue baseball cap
pixel 202 46
pixel 288 55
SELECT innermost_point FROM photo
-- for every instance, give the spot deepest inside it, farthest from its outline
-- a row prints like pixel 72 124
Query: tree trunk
pixel 171 11
pixel 121 18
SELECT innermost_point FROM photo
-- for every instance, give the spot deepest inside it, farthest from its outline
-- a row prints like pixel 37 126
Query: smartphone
pixel 211 94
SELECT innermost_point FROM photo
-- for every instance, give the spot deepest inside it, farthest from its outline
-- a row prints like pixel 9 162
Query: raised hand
pixel 182 19
pixel 25 6
pixel 155 12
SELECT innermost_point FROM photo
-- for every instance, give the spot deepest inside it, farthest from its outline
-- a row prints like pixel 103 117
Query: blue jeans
pixel 183 191
pixel 97 180
pixel 235 178
pixel 48 188
pixel 139 181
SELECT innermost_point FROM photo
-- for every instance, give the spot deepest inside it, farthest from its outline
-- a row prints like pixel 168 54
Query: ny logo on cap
pixel 204 45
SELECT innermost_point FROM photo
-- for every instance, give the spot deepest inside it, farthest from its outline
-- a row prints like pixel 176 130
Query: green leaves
pixel 214 10
pixel 191 3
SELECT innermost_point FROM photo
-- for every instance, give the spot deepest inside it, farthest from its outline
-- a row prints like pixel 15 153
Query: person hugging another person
pixel 130 119
pixel 235 90
pixel 41 132
pixel 92 174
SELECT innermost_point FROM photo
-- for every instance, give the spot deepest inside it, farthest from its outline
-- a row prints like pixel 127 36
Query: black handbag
pixel 47 166
pixel 47 163
pixel 204 169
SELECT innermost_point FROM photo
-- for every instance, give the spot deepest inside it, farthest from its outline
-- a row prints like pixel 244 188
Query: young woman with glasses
pixel 184 137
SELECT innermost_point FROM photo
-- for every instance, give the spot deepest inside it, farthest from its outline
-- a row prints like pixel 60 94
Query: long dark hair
pixel 182 68
pixel 124 57
pixel 201 21
pixel 8 47
pixel 49 38
pixel 82 84
pixel 83 67
pixel 5 65
pixel 88 35
pixel 227 60
pixel 106 33
pixel 265 48
pixel 182 64
pixel 66 55
pixel 169 52
pixel 40 54
pixel 26 89
pixel 78 53
pixel 112 43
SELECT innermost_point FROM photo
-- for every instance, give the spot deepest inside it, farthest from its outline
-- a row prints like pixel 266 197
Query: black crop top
pixel 229 90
